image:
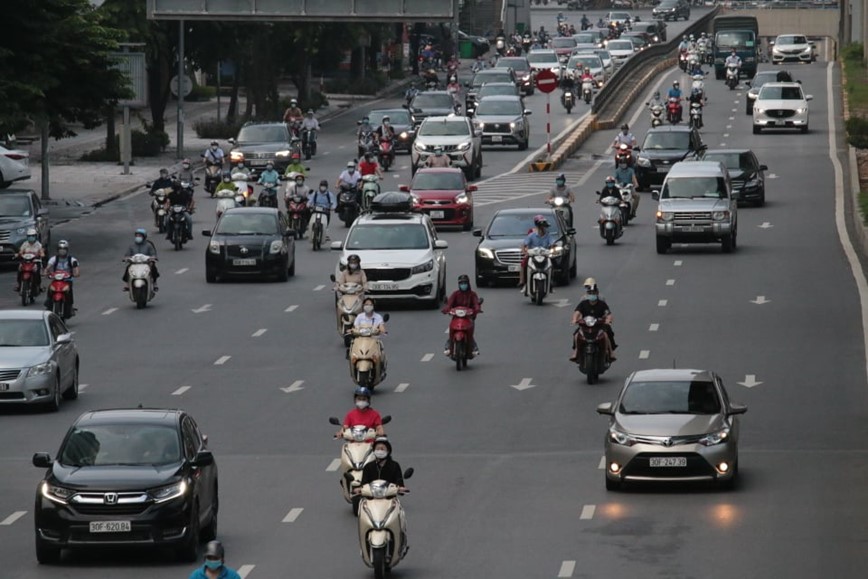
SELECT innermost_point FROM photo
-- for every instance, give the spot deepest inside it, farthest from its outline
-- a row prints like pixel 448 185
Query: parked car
pixel 14 166
pixel 459 139
pixel 781 105
pixel 444 194
pixel 503 120
pixel 401 121
pixel 746 173
pixel 663 147
pixel 20 210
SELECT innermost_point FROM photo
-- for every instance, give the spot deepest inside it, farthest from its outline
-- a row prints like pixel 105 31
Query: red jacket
pixel 467 299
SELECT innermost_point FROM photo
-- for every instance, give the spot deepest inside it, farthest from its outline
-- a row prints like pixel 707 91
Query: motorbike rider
pixel 539 237
pixel 297 187
pixel 369 318
pixel 568 83
pixel 610 188
pixel 241 168
pixel 324 198
pixel 385 130
pixel 370 166
pixel 364 127
pixel 163 181
pixel 675 93
pixel 295 167
pixel 310 123
pixel 362 414
pixel 269 176
pixel 438 159
pixel 384 467
pixel 733 58
pixel 411 92
pixel 226 184
pixel 213 155
pixel 592 305
pixel 561 189
pixel 625 137
pixel 178 196
pixel 586 22
pixel 31 245
pixel 293 113
pixel 349 176
pixel 186 172
pixel 684 45
pixel 62 261
pixel 463 297
pixel 655 101
pixel 142 245
pixel 215 565
pixel 353 273
pixel 626 175
pixel 586 76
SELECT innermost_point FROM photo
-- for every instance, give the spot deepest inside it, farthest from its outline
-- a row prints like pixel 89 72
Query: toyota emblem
pixel 667 442
pixel 110 498
pixel 244 250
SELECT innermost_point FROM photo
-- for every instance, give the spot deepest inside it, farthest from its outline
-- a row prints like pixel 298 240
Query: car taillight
pixel 15 156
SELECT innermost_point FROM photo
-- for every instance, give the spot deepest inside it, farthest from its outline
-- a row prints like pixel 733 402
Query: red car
pixel 444 194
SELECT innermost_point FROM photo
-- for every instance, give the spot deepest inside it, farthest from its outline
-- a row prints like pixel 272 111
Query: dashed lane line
pixel 678 263
pixel 602 464
pixel 292 515
pixel 12 518
pixel 245 570
pixel 653 327
pixel 180 390
pixel 644 354
pixel 109 311
pixel 670 282
pixel 258 332
pixel 291 308
pixel 567 569
pixel 334 465
pixel 427 357
pixel 319 288
pixel 587 512
pixel 401 387
pixel 663 303
pixel 182 270
pixel 222 360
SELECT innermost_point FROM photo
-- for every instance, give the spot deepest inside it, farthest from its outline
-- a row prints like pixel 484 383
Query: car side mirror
pixel 809 97
pixel 232 141
pixel 388 417
pixel 42 212
pixel 637 149
pixel 290 233
pixel 335 421
pixel 206 233
pixel 771 42
pixel 441 244
pixel 409 472
pixel 528 112
pixel 733 409
pixel 203 458
pixel 337 245
pixel 476 233
pixel 763 168
pixel 472 188
pixel 386 317
pixel 63 339
pixel 735 195
pixel 404 188
pixel 605 408
pixel 571 231
pixel 655 195
pixel 42 460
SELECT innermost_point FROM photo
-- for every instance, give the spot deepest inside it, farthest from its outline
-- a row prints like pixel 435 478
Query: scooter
pixel 732 76
pixel 627 210
pixel 673 110
pixel 591 348
pixel 268 195
pixel 348 204
pixel 682 60
pixel 370 189
pixel 212 176
pixel 698 85
pixel 366 143
pixel 562 205
pixel 28 272
pixel 59 288
pixel 356 453
pixel 656 115
pixel 611 226
pixel 308 143
pixel 538 274
pixel 624 152
pixel 568 99
pixel 140 281
pixel 382 526
pixel 587 91
pixel 348 301
pixel 296 208
pixel 243 186
pixel 461 335
pixel 318 221
pixel 178 225
pixel 385 154
pixel 158 206
pixel 696 115
pixel 367 356
pixel 228 199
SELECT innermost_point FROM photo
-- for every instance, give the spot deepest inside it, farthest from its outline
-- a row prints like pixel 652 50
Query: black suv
pixel 671 10
pixel 258 144
pixel 137 477
pixel 19 211
pixel 656 29
pixel 663 147
pixel 482 77
pixel 430 103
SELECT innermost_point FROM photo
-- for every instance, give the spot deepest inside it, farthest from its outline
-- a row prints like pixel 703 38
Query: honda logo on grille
pixel 110 498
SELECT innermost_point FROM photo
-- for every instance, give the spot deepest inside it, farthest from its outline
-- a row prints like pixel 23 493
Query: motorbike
pixel 158 206
pixel 28 271
pixel 624 152
pixel 294 127
pixel 370 189
pixel 562 205
pixel 366 142
pixel 461 335
pixel 212 176
pixel 673 110
pixel 587 91
pixel 732 76
pixel 367 357
pixel 244 187
pixel 696 115
pixel 348 204
pixel 318 221
pixel 297 209
pixel 178 226
pixel 539 274
pixel 268 195
pixel 308 143
pixel 382 526
pixel 697 87
pixel 59 289
pixel 349 298
pixel 591 355
pixel 385 153
pixel 568 99
pixel 627 209
pixel 140 279
pixel 356 453
pixel 656 115
pixel 228 199
pixel 682 60
pixel 187 188
pixel 611 225
pixel 693 61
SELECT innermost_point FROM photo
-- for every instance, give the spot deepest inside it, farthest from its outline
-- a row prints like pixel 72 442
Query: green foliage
pixel 857 132
pixel 201 93
pixel 853 52
pixel 863 206
pixel 211 128
pixel 373 82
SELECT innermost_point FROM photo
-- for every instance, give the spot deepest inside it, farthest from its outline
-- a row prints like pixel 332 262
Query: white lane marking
pixel 561 303
pixel 653 327
pixel 258 332
pixel 760 300
pixel 82 387
pixel 523 385
pixel 292 515
pixel 728 126
pixel 427 357
pixel 723 144
pixel 678 263
pixel 771 176
pixel 109 311
pixel 750 381
pixel 587 512
pixel 245 570
pixel 602 464
pixel 12 518
pixel 222 360
pixel 180 390
pixel 342 146
pixel 204 308
pixel 401 387
pixel 334 465
pixel 765 225
pixel 319 288
pixel 643 355
pixel 294 387
pixel 446 331
pixel 291 308
pixel 567 569
pixel 670 282
pixel 662 303
pixel 725 135
pixel 732 118
pixel 395 175
pixel 735 110
pixel 182 270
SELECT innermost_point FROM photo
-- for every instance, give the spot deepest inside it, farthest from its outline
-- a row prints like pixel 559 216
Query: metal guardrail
pixel 640 59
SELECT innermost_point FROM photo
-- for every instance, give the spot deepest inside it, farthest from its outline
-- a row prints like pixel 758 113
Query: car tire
pixel 46 554
pixel 804 129
pixel 522 146
pixel 210 276
pixel 761 200
pixel 283 275
pixel 757 129
pixel 188 552
pixel 53 405
pixel 209 533
pixel 727 243
pixel 663 245
pixel 291 270
pixel 71 393
pixel 574 269
pixel 612 485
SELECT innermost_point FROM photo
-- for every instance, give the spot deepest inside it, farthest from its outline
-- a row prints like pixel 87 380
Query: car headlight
pixel 758 110
pixel 55 493
pixel 41 369
pixel 480 125
pixel 463 147
pixel 21 230
pixel 713 438
pixel 214 247
pixel 644 162
pixel 665 216
pixel 282 154
pixel 806 49
pixel 515 125
pixel 427 266
pixel 462 198
pixel 420 146
pixel 525 78
pixel 485 253
pixel 277 246
pixel 167 493
pixel 753 182
pixel 720 215
pixel 621 438
pixel 801 111
pixel 776 50
pixel 236 156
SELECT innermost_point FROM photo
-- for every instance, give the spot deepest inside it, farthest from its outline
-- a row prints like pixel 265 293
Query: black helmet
pixel 384 440
pixel 214 549
pixel 362 391
pixel 324 182
pixel 625 127
pixel 463 278
pixel 354 258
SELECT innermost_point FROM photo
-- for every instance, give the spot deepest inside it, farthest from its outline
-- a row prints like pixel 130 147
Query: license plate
pixel 383 286
pixel 254 163
pixel 668 461
pixel 4 386
pixel 496 139
pixel 110 527
pixel 513 268
pixel 780 123
pixel 438 215
pixel 694 228
pixel 243 262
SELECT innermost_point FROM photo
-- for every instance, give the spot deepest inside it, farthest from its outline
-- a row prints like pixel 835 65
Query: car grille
pixel 694 216
pixel 497 128
pixel 780 113
pixel 235 251
pixel 109 510
pixel 508 255
pixel 9 375
pixel 5 235
pixel 391 274
pixel 11 395
pixel 83 535
pixel 436 202
pixel 258 155
pixel 696 466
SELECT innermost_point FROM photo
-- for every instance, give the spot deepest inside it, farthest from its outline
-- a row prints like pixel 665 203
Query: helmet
pixel 214 549
pixel 540 221
pixel 386 119
pixel 366 119
pixel 351 164
pixel 214 143
pixel 591 286
pixel 31 232
pixel 324 182
pixel 63 244
pixel 269 166
pixel 362 391
pixel 704 35
pixel 656 94
pixel 676 84
pixel 589 282
pixel 691 37
pixel 383 440
pixel 463 278
pixel 163 172
pixel 295 102
pixel 185 162
pixel 610 179
pixel 298 176
pixel 354 258
pixel 625 127
pixel 310 112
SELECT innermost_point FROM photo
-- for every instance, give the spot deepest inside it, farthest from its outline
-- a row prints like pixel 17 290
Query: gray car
pixel 503 121
pixel 38 359
pixel 672 426
pixel 258 144
pixel 19 211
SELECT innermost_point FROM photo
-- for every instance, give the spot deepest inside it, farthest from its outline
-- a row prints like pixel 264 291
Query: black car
pixel 257 144
pixel 498 255
pixel 431 103
pixel 250 241
pixel 128 477
pixel 401 121
pixel 663 147
pixel 482 77
pixel 19 211
pixel 656 29
pixel 745 171
pixel 523 73
pixel 671 10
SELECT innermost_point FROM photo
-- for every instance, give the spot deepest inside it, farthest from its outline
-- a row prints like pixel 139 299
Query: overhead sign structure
pixel 305 10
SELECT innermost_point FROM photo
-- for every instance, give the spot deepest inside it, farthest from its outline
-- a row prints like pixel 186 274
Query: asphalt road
pixel 507 480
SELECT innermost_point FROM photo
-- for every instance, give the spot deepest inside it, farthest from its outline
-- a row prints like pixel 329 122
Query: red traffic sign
pixel 546 80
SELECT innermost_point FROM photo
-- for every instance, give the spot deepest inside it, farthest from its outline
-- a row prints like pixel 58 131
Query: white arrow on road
pixel 294 387
pixel 524 384
pixel 750 381
pixel 771 176
pixel 561 303
pixel 760 300
pixel 205 308
pixel 765 225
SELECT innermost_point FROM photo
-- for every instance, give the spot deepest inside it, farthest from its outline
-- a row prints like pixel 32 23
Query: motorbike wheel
pixel 378 562
pixel 459 353
pixel 538 297
pixel 177 240
pixel 569 108
pixel 57 308
pixel 141 298
pixel 591 370
pixel 316 238
pixel 610 237
pixel 26 298
pixel 365 378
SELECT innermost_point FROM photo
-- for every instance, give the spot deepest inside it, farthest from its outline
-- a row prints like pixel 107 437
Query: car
pixel 780 105
pixel 544 59
pixel 619 17
pixel 480 43
pixel 697 205
pixel 594 63
pixel 127 477
pixel 608 63
pixel 21 209
pixel 39 361
pixel 620 50
pixel 444 194
pixel 662 147
pixel 258 144
pixel 401 121
pixel 498 253
pixel 655 29
pixel 250 241
pixel 756 83
pixel 459 139
pixel 503 120
pixel 498 89
pixel 641 39
pixel 485 76
pixel 401 254
pixel 430 103
pixel 671 10
pixel 14 166
pixel 792 48
pixel 563 47
pixel 746 173
pixel 587 40
pixel 672 425
pixel 521 67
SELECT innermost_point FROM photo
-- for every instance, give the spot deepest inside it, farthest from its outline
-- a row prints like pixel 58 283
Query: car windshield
pixel 586 38
pixel 620 45
pixel 247 224
pixel 401 117
pixel 729 160
pixel 14 206
pixel 444 129
pixel 734 39
pixel 762 78
pixel 679 141
pixel 694 397
pixel 133 444
pixel 567 42
pixel 692 187
pixel 786 93
pixel 498 76
pixel 790 40
pixel 516 64
pixel 433 101
pixel 22 333
pixel 542 57
pixel 262 134
pixel 382 237
pixel 498 107
pixel 591 62
pixel 497 89
pixel 518 225
pixel 438 180
pixel 668 4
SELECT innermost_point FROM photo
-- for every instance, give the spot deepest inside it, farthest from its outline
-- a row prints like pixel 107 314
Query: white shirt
pixel 363 321
pixel 733 59
pixel 351 178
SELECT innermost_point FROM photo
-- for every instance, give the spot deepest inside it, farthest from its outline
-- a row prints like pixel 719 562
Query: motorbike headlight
pixel 236 156
pixel 463 146
pixel 41 369
pixel 720 215
pixel 427 266
pixel 55 493
pixel 282 154
pixel 461 199
pixel 485 253
pixel 665 216
pixel 644 162
pixel 480 125
pixel 621 438
pixel 557 250
pixel 713 438
pixel 525 78
pixel 169 492
pixel 277 246
pixel 214 247
pixel 403 136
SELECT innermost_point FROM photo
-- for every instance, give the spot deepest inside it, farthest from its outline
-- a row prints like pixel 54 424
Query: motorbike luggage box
pixel 392 202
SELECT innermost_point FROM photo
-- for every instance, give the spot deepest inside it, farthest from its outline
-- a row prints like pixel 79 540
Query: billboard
pixel 305 10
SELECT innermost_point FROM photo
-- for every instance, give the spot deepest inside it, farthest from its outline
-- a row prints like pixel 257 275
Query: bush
pixel 145 144
pixel 857 132
pixel 211 128
pixel 852 52
pixel 201 93
pixel 863 205
pixel 372 83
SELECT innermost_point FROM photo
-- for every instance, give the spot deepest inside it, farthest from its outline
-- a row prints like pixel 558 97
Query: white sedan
pixel 781 105
pixel 792 48
pixel 14 166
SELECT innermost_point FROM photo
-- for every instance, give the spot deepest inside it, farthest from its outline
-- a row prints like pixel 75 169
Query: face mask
pixel 299 182
pixel 381 454
pixel 31 239
pixel 610 185
pixel 269 167
pixel 214 148
pixel 463 287
pixel 213 564
pixel 353 267
pixel 323 188
pixel 240 165
pixel 362 404
pixel 369 309
pixel 622 165
pixel 139 239
pixel 592 298
pixel 164 175
pixel 62 252
pixel 560 183
pixel 351 169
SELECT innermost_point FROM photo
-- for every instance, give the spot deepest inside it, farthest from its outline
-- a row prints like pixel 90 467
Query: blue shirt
pixel 269 177
pixel 320 199
pixel 624 175
pixel 535 240
pixel 675 92
pixel 225 573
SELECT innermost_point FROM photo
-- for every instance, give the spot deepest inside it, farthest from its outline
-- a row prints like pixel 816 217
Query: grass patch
pixel 863 206
pixel 857 94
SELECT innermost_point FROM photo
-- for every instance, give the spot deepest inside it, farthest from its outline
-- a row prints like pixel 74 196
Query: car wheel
pixel 804 129
pixel 209 533
pixel 762 197
pixel 292 266
pixel 663 245
pixel 612 485
pixel 46 554
pixel 210 276
pixel 189 549
pixel 522 146
pixel 757 129
pixel 71 393
pixel 53 405
pixel 727 243
pixel 574 269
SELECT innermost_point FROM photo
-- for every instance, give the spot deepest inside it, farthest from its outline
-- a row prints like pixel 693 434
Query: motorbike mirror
pixel 409 472
pixel 358 122
pixel 42 460
pixel 387 419
pixel 332 277
pixel 605 408
pixel 335 421
pixel 481 301
pixel 386 317
pixel 763 168
pixel 571 231
pixel 404 188
pixel 476 233
pixel 655 195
